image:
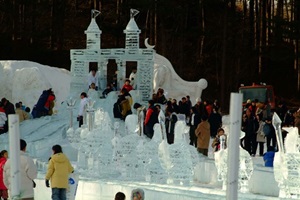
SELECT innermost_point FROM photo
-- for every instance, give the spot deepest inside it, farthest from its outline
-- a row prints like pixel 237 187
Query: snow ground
pixel 41 134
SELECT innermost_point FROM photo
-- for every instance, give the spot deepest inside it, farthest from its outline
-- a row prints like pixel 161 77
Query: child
pixel 216 143
pixel 127 86
pixel 120 196
pixel 106 91
pixel 269 156
pixel 27 110
pixel 137 194
pixel 3 189
pixel 92 93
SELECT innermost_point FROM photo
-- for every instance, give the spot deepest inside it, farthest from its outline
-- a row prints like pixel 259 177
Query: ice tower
pixel 93 55
pixel 93 33
pixel 132 31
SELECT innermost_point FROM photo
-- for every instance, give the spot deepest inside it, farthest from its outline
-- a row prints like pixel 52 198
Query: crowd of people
pixel 43 107
pixel 59 168
pixel 258 128
pixel 203 118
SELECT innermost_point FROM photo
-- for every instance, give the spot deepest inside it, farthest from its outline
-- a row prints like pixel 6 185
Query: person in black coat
pixel 171 120
pixel 194 121
pixel 184 107
pixel 215 121
pixel 9 109
pixel 250 126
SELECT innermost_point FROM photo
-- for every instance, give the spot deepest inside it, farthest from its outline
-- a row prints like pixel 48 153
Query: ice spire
pixel 93 33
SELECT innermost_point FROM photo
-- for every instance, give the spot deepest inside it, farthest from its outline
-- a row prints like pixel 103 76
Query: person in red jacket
pixel 50 103
pixel 127 86
pixel 150 119
pixel 3 189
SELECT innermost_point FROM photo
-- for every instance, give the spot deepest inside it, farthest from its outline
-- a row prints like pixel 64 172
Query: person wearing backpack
pixel 41 106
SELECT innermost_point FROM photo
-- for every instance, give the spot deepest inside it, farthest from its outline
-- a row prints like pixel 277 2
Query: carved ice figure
pixel 131 124
pixel 154 172
pixel 286 166
pixel 103 163
pixel 82 149
pixel 181 170
pixel 165 77
pixel 127 154
pixel 163 147
pixel 102 118
pixel 181 130
pixel 292 141
pixel 245 170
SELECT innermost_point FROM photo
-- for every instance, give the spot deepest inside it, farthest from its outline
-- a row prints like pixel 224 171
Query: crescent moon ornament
pixel 148 45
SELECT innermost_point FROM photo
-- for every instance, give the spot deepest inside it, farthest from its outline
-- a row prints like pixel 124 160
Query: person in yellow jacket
pixel 59 168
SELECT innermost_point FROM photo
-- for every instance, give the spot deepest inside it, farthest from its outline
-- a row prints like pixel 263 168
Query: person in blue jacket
pixel 269 156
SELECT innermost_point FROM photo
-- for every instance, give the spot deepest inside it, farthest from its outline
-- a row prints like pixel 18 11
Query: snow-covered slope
pixel 24 81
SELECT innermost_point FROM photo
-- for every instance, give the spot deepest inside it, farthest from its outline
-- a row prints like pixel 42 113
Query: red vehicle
pixel 261 92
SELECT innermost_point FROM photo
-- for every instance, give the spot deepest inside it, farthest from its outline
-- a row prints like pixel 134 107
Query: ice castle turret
pixel 93 33
pixel 132 32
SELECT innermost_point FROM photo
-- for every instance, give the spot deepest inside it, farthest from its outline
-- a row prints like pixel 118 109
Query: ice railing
pixel 109 151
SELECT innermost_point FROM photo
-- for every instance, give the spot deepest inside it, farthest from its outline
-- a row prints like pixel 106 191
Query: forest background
pixel 227 42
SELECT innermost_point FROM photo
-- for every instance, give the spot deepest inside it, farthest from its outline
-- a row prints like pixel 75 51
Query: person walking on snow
pixel 82 107
pixel 28 173
pixel 59 168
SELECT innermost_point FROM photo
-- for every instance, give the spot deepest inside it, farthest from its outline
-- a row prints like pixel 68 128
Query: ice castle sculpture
pixel 286 161
pixel 153 70
pixel 81 59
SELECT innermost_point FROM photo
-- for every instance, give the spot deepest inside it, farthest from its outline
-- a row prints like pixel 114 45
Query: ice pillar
pixel 90 115
pixel 71 103
pixel 236 100
pixel 90 120
pixel 14 151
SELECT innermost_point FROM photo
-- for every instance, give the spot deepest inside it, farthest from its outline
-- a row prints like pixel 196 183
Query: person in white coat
pixel 28 173
pixel 82 107
pixel 132 78
pixel 93 78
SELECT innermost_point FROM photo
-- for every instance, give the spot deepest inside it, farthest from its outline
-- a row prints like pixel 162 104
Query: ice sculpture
pixel 153 170
pixel 286 161
pixel 127 156
pixel 71 104
pixel 245 171
pixel 131 124
pixel 181 131
pixel 181 170
pixel 90 115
